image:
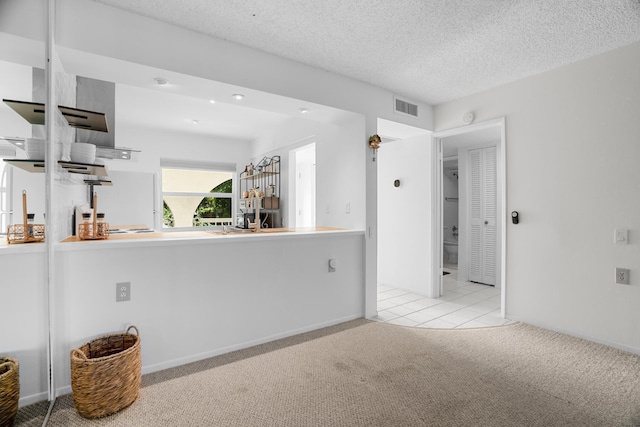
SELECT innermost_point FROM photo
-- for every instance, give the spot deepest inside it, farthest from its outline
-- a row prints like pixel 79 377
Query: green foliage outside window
pixel 212 207
pixel 167 215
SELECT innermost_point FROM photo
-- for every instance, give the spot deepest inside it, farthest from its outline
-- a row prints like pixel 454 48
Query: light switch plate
pixel 622 276
pixel 621 236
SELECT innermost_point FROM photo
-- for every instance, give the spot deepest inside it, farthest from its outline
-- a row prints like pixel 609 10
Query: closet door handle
pixel 486 222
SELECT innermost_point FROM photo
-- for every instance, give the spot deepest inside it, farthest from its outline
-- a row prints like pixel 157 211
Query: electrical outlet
pixel 123 291
pixel 622 276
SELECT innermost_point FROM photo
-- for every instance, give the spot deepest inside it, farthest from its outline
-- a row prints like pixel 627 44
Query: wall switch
pixel 123 291
pixel 621 236
pixel 332 265
pixel 327 208
pixel 622 276
pixel 347 208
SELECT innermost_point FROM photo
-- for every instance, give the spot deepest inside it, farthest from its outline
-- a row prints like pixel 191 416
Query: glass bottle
pixel 30 222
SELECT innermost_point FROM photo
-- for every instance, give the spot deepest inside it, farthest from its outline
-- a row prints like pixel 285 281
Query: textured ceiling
pixel 428 50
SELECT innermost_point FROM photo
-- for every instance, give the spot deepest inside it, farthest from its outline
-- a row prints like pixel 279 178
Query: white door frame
pixel 436 202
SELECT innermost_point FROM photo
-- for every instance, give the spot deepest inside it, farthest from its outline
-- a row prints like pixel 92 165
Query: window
pixel 197 195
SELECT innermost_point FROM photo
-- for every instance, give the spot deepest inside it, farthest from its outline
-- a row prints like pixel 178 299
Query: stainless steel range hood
pixel 95 95
pixel 93 116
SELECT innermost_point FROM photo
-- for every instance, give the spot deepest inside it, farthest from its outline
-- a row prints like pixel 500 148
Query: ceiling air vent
pixel 405 107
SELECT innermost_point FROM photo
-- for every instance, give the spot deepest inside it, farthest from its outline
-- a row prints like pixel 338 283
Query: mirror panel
pixel 24 335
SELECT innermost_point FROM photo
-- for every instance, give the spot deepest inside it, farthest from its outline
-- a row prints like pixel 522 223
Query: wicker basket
pixel 9 390
pixel 16 234
pixel 93 231
pixel 106 374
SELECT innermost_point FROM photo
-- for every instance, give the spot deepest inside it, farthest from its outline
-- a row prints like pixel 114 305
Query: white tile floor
pixel 463 305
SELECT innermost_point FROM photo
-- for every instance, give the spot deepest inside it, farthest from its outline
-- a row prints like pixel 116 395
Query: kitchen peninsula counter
pixel 198 236
pixel 197 294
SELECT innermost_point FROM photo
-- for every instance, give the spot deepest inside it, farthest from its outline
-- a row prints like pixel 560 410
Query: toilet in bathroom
pixel 450 244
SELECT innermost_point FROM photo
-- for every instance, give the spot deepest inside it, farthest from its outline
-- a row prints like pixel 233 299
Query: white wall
pixel 572 152
pixel 154 145
pixel 340 169
pixel 404 214
pixel 88 26
pixel 23 317
pixel 193 299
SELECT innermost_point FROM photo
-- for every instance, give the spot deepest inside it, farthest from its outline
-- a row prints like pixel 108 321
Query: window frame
pixel 202 166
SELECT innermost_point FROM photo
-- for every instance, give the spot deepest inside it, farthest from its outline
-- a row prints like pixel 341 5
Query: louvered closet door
pixel 482 205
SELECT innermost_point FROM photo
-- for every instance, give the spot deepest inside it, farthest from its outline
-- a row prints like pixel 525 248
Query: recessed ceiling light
pixel 161 81
pixel 195 122
pixel 303 110
pixel 212 101
pixel 19 143
pixel 238 96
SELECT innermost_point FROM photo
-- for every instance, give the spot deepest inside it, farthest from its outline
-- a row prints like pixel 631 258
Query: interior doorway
pixel 479 201
pixel 303 160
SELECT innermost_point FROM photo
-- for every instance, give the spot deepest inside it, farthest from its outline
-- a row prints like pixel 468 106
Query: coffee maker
pixel 244 218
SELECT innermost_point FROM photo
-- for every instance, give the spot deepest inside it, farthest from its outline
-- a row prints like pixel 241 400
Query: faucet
pixel 255 225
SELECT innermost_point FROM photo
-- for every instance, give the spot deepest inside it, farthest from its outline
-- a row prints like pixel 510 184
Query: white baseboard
pixel 619 346
pixel 34 398
pixel 201 356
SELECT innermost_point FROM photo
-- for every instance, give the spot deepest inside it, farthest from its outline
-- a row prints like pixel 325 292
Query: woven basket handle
pixel 133 327
pixel 8 362
pixel 79 354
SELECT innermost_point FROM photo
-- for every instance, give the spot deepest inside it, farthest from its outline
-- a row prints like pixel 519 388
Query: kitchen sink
pixel 234 230
pixel 130 230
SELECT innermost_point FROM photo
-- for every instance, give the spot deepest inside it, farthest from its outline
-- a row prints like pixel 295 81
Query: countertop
pixel 156 238
pixel 200 234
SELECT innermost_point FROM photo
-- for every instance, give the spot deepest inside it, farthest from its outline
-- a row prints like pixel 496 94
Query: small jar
pixel 101 225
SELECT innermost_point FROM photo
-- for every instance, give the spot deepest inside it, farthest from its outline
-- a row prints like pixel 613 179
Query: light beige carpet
pixel 374 374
